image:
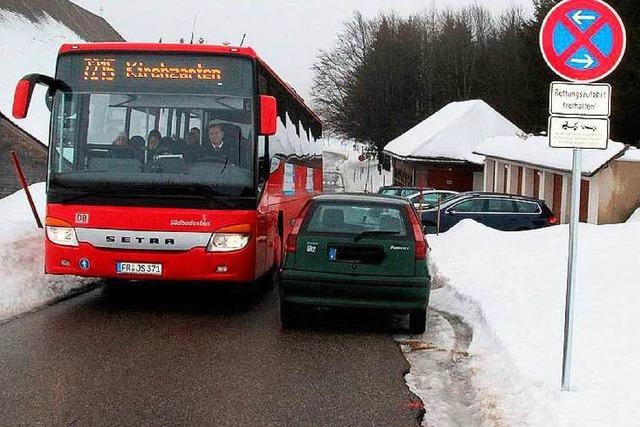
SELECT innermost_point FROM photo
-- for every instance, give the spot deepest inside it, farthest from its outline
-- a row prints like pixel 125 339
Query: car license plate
pixel 139 268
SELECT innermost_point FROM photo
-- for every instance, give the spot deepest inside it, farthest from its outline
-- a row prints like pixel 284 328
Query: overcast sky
pixel 286 33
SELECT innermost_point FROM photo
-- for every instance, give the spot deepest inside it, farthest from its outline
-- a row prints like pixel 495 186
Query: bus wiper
pixel 206 191
pixel 364 234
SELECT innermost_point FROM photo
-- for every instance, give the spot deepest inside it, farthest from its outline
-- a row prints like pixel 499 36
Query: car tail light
pixel 552 220
pixel 420 241
pixel 292 243
pixel 292 239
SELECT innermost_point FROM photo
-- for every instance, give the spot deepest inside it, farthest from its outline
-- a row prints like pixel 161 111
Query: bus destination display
pixel 105 69
pixel 153 73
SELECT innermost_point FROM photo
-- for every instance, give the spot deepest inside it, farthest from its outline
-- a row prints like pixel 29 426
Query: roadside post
pixel 25 187
pixel 582 41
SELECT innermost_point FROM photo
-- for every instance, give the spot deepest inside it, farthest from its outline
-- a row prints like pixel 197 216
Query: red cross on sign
pixel 583 40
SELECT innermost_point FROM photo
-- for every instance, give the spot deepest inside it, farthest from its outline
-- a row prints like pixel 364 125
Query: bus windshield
pixel 176 135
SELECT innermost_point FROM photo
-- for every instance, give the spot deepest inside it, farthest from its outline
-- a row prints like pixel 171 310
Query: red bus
pixel 172 162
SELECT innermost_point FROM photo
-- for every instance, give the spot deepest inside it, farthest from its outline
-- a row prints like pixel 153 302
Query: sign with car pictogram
pixel 579 132
pixel 583 40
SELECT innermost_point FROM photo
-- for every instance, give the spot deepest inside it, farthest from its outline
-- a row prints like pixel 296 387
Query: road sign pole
pixel 571 270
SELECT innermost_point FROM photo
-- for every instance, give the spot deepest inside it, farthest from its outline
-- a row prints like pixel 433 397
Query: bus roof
pixel 184 48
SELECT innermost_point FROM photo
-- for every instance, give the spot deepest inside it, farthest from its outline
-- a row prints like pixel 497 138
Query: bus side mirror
pixel 22 98
pixel 268 115
pixel 24 91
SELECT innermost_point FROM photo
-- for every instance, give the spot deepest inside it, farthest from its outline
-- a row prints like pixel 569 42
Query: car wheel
pixel 430 228
pixel 418 321
pixel 289 315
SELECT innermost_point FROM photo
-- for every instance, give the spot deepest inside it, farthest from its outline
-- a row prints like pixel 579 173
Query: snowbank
pixel 24 284
pixel 516 281
pixel 29 47
pixel 635 217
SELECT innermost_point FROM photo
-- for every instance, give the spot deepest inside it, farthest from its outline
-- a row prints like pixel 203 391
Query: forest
pixel 385 74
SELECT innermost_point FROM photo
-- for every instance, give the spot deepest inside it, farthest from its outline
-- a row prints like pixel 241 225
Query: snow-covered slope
pixel 517 282
pixel 29 47
pixel 24 285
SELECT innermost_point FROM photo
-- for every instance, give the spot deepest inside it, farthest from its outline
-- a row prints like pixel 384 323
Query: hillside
pixel 32 31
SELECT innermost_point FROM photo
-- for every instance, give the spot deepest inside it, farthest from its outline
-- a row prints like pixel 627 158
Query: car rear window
pixel 501 206
pixel 528 207
pixel 342 218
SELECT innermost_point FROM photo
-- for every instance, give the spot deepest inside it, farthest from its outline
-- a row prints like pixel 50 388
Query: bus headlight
pixel 229 239
pixel 64 236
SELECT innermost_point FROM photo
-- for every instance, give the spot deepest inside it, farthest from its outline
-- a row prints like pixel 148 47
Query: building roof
pixel 535 151
pixel 88 26
pixel 452 134
pixel 631 155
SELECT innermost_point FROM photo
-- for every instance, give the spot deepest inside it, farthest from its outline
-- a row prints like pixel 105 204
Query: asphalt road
pixel 185 355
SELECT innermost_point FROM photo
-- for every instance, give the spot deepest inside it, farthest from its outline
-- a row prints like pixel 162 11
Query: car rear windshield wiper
pixel 364 234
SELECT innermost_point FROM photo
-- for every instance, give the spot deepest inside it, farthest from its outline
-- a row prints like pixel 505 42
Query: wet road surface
pixel 186 355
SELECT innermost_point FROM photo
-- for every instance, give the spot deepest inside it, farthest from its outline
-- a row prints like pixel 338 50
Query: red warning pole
pixel 25 185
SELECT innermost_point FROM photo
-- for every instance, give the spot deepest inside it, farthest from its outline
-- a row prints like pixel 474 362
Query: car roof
pixel 470 194
pixel 362 198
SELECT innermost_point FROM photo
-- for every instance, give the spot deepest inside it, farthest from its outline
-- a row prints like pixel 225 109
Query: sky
pixel 287 34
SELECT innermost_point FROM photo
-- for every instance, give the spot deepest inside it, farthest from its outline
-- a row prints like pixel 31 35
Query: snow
pixel 453 133
pixel 27 48
pixel 510 287
pixel 358 176
pixel 631 155
pixel 535 150
pixel 635 217
pixel 24 284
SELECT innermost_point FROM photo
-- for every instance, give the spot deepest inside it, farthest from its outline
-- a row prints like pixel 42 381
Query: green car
pixel 361 251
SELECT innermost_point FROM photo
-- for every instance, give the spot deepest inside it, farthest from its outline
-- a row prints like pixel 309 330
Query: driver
pixel 221 144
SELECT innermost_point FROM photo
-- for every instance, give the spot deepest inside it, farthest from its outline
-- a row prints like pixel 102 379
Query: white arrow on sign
pixel 578 17
pixel 587 61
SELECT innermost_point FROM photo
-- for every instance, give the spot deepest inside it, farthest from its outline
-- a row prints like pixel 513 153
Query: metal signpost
pixel 581 41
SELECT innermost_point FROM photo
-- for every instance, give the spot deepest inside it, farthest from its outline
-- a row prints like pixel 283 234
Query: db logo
pixel 82 218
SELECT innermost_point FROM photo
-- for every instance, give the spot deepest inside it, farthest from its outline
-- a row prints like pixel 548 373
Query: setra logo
pixel 82 218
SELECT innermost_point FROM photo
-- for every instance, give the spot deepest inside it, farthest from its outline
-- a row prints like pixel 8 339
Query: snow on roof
pixel 631 155
pixel 29 47
pixel 536 151
pixel 452 133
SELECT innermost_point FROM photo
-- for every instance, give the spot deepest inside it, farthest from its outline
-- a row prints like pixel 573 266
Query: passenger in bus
pixel 157 145
pixel 193 150
pixel 121 147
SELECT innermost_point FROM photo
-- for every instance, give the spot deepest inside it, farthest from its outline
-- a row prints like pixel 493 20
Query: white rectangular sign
pixel 579 132
pixel 583 100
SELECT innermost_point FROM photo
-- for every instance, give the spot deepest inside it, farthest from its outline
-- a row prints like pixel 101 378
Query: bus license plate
pixel 139 268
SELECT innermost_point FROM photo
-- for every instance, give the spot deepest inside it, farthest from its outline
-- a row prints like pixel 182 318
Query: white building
pixel 610 190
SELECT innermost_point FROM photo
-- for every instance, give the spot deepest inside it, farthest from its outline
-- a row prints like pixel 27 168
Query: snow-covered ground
pixel 510 288
pixel 635 217
pixel 24 285
pixel 358 176
pixel 26 48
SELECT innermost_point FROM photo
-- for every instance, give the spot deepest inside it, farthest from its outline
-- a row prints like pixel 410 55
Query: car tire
pixel 289 316
pixel 418 321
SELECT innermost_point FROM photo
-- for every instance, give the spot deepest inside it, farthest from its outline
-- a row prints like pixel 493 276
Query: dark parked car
pixel 500 211
pixel 401 191
pixel 359 251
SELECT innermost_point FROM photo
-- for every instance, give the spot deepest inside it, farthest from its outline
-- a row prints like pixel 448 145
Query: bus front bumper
pixel 196 264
